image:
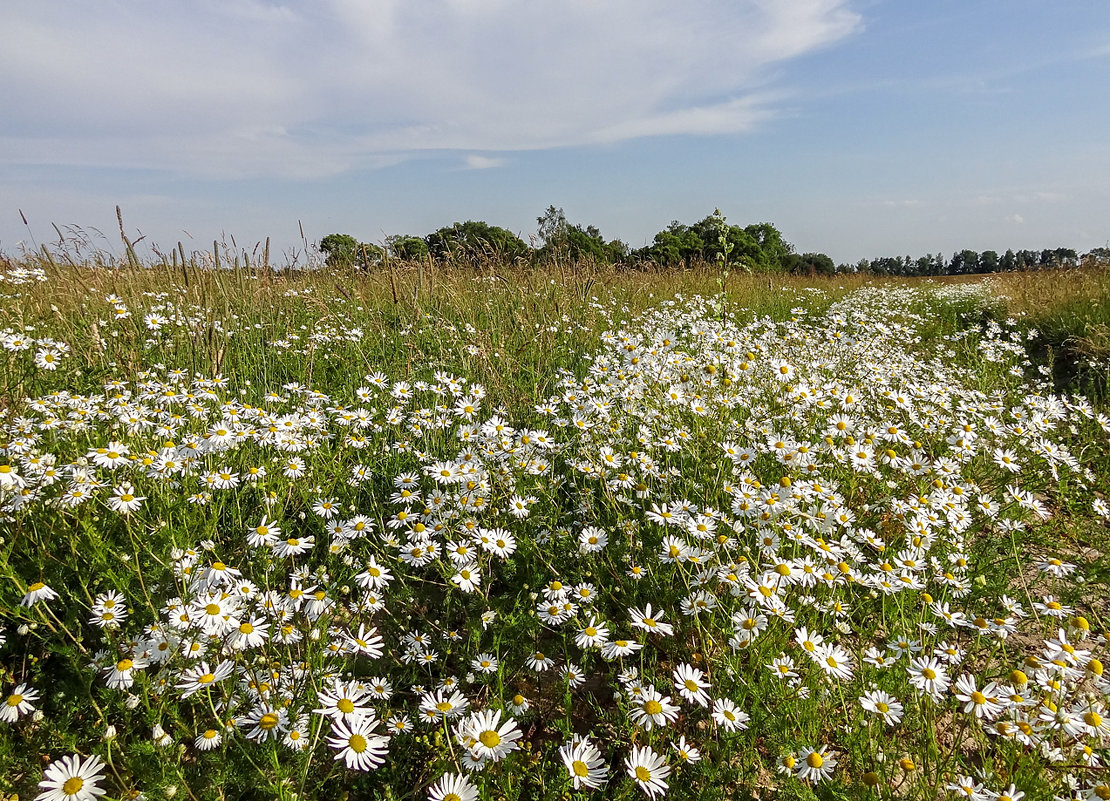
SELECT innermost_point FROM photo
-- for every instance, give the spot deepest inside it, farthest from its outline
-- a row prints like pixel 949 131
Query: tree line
pixel 756 248
pixel 970 262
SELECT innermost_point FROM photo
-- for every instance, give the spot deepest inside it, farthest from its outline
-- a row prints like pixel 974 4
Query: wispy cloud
pixel 476 162
pixel 253 87
pixel 1025 198
pixel 1040 197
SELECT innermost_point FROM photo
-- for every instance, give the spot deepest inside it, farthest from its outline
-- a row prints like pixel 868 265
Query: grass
pixel 1071 312
pixel 607 351
pixel 522 319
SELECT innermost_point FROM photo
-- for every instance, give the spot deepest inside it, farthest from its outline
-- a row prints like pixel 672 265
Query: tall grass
pixel 526 320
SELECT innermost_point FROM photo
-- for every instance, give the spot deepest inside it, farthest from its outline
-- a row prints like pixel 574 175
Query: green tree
pixel 886 265
pixel 473 241
pixel 408 248
pixel 810 264
pixel 964 262
pixel 757 248
pixel 564 240
pixel 343 250
pixel 1097 256
pixel 340 250
pixel 552 226
pixel 674 245
pixel 773 249
pixel 1066 257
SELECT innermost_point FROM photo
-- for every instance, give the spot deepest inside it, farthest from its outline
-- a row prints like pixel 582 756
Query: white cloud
pixel 476 162
pixel 1040 197
pixel 1018 197
pixel 256 87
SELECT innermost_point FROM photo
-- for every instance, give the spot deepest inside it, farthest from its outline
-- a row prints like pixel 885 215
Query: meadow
pixel 495 533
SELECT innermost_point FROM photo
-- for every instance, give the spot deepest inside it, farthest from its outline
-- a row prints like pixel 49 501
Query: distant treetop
pixel 758 248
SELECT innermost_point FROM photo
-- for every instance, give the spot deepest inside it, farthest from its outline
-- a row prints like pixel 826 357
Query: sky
pixel 859 128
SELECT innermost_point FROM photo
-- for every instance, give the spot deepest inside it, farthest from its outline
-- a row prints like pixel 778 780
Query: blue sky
pixel 859 128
